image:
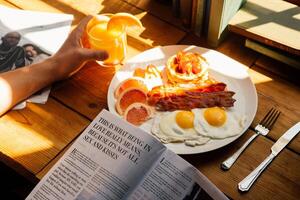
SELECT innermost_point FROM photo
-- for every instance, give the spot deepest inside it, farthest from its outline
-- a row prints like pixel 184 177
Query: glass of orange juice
pixel 108 32
pixel 113 41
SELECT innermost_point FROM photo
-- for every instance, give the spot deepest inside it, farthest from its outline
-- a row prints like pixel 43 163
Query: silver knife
pixel 245 184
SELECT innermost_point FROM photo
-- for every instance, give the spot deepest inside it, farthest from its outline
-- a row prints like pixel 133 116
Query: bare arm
pixel 19 84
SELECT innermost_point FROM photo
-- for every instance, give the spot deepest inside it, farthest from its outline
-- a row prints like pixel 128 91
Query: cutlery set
pixel 263 128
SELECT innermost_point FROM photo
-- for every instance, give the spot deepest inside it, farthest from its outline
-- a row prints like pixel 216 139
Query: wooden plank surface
pixel 5 3
pixel 275 92
pixel 89 86
pixel 45 170
pixel 86 91
pixel 275 68
pixel 281 180
pixel 36 134
pixel 46 130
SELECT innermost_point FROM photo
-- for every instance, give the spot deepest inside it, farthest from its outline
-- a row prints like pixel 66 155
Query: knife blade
pixel 247 182
pixel 285 139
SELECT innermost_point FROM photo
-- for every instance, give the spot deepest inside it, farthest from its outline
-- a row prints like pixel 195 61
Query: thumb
pixel 90 54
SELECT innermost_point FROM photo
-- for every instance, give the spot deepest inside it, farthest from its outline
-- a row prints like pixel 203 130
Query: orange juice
pixel 113 41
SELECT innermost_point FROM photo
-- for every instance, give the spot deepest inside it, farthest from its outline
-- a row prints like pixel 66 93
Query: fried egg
pixel 218 123
pixel 177 126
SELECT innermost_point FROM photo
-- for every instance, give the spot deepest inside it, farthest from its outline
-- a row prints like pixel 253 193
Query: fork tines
pixel 269 120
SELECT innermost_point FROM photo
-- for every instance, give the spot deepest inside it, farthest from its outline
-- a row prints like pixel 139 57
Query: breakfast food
pixel 168 98
pixel 139 72
pixel 171 127
pixel 137 113
pixel 187 105
pixel 185 119
pixel 169 90
pixel 130 96
pixel 198 126
pixel 189 86
pixel 152 72
pixel 130 83
pixel 187 67
pixel 151 76
pixel 218 123
pixel 195 100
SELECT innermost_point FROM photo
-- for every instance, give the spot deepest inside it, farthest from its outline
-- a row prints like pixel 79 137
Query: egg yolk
pixel 185 119
pixel 215 116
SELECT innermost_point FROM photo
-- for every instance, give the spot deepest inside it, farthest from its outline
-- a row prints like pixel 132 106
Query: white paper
pixel 48 31
pixel 112 159
pixel 20 106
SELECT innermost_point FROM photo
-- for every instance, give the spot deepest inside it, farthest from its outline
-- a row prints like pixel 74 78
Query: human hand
pixel 72 56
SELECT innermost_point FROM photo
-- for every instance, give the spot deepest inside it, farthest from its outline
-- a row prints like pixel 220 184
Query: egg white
pixel 166 130
pixel 233 126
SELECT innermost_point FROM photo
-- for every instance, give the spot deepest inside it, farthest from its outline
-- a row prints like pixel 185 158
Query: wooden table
pixel 32 140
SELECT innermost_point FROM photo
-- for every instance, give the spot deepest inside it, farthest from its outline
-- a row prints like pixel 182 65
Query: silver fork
pixel 262 128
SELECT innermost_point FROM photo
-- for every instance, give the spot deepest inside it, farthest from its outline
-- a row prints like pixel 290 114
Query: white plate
pixel 222 68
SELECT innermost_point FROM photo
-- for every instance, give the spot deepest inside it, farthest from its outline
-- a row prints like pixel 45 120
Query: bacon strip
pixel 166 98
pixel 195 100
pixel 161 92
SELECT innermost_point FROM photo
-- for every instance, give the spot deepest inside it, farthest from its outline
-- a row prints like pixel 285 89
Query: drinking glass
pixel 113 41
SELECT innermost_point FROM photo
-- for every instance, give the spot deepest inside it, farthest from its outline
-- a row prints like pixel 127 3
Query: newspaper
pixel 113 159
pixel 37 36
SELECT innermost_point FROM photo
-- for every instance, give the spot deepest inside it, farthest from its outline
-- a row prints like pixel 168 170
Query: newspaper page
pixel 29 37
pixel 173 178
pixel 113 159
pixel 106 162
